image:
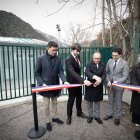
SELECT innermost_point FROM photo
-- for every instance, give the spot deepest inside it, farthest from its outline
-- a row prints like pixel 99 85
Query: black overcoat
pixel 48 71
pixel 135 80
pixel 95 93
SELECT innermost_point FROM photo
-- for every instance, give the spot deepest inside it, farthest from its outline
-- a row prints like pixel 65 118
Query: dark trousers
pixel 74 93
pixel 135 118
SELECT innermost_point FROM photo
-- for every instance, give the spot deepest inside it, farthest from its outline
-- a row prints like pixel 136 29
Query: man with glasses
pixel 95 72
pixel 48 70
pixel 117 72
pixel 73 74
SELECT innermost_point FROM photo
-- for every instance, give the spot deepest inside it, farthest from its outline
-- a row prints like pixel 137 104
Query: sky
pixel 37 14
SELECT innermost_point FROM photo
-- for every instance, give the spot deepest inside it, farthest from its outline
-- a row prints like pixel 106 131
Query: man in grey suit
pixel 47 72
pixel 117 72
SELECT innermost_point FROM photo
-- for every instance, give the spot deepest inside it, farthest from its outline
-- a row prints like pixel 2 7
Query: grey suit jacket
pixel 120 74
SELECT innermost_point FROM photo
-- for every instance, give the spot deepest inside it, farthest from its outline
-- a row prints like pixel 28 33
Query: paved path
pixel 15 122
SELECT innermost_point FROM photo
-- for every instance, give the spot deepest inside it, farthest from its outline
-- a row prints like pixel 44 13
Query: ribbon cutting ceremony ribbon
pixel 127 86
pixel 53 87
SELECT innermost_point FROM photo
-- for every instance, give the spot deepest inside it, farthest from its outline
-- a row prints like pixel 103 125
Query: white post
pixel 59 36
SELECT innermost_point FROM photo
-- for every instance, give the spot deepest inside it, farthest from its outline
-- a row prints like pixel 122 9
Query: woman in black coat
pixel 96 74
pixel 135 101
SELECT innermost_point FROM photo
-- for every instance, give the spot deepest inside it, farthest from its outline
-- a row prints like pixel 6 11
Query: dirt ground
pixel 16 121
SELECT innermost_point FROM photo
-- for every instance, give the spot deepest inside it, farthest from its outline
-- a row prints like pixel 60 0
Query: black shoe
pixel 107 117
pixel 137 134
pixel 117 121
pixel 49 126
pixel 82 115
pixel 68 121
pixel 89 120
pixel 99 120
pixel 57 120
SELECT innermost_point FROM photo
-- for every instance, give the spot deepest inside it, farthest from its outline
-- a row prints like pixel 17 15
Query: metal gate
pixel 17 65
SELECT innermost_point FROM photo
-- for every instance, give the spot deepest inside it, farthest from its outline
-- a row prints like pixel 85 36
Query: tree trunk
pixel 136 29
pixel 110 20
pixel 118 22
pixel 103 23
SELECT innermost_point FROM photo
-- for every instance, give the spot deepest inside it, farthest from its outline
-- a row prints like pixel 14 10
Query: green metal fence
pixel 17 65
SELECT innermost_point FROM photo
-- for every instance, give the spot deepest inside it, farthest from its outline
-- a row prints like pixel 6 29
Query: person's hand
pixel 97 78
pixel 66 83
pixel 109 83
pixel 97 83
pixel 94 85
pixel 87 83
pixel 44 85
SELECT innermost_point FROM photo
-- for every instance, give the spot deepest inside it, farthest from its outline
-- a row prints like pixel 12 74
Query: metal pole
pixel 35 110
pixel 36 131
pixel 58 29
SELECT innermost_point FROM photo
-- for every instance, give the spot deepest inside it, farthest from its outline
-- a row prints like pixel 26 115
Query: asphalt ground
pixel 17 120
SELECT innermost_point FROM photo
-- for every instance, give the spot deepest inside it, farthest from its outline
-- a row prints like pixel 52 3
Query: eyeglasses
pixel 115 55
pixel 96 58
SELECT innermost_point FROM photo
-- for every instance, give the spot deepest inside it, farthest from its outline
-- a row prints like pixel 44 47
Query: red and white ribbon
pixel 53 87
pixel 127 86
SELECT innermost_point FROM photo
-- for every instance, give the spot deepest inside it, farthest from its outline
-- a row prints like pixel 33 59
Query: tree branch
pixel 58 9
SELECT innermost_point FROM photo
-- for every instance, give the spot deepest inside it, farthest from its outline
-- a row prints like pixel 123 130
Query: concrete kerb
pixel 17 101
pixel 8 103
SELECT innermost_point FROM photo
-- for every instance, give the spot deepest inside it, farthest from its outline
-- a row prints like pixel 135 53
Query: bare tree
pixel 120 15
pixel 118 22
pixel 110 20
pixel 75 33
pixel 103 23
pixel 136 29
pixel 117 11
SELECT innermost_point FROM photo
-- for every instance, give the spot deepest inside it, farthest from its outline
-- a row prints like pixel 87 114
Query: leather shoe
pixel 99 120
pixel 49 126
pixel 89 119
pixel 117 121
pixel 137 134
pixel 82 115
pixel 107 117
pixel 68 121
pixel 57 120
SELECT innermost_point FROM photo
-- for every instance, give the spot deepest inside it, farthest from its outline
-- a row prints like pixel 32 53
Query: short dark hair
pixel 52 44
pixel 117 49
pixel 76 46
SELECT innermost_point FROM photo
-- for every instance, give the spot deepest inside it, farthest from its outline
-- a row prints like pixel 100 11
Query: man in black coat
pixel 47 72
pixel 135 101
pixel 73 74
pixel 96 74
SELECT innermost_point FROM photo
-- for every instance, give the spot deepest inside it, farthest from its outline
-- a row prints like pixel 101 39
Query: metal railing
pixel 17 65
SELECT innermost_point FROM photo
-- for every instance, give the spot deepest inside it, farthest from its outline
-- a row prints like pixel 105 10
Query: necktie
pixel 114 67
pixel 77 60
